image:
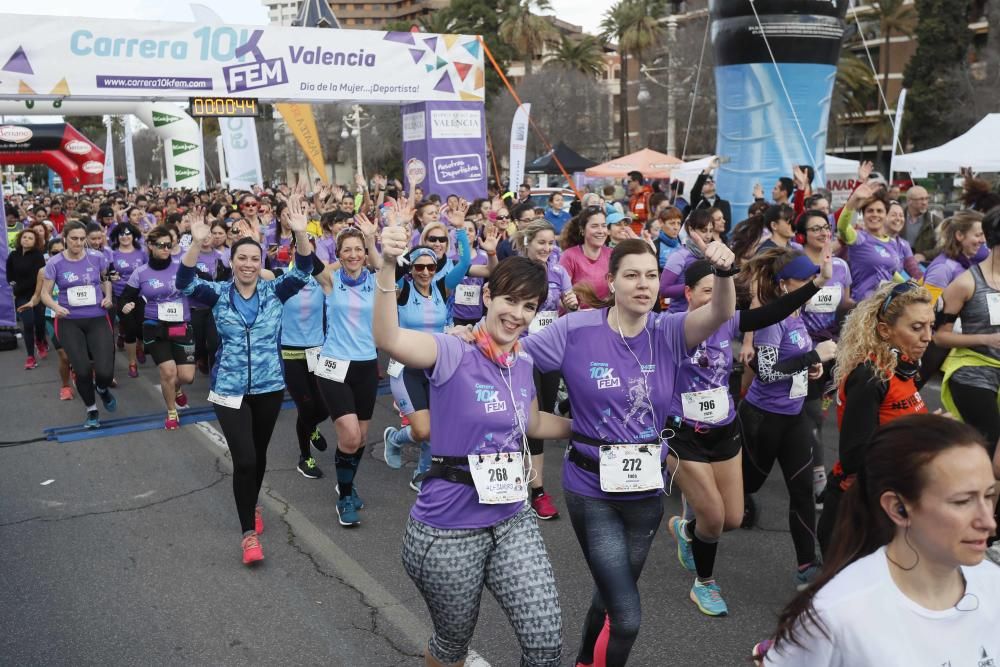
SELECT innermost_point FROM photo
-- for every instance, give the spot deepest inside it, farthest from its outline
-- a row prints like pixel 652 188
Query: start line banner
pixel 84 58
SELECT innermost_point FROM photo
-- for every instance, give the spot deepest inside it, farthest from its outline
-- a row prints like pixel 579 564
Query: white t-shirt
pixel 871 622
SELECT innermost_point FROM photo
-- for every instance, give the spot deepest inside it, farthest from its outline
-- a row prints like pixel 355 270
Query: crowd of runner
pixel 704 351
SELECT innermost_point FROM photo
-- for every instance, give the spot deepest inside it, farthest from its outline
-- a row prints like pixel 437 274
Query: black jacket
pixel 22 271
pixel 697 201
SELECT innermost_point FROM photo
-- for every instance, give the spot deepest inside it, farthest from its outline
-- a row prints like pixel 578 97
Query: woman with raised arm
pixel 620 365
pixel 874 257
pixel 471 525
pixel 425 302
pixel 247 381
pixel 346 369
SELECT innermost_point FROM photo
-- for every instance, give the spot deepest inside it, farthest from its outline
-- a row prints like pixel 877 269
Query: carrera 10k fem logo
pixel 489 396
pixel 604 374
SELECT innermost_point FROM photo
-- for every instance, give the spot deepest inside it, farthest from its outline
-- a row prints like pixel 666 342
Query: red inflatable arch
pixel 59 146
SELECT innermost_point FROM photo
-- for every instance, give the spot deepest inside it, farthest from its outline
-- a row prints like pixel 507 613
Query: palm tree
pixel 635 26
pixel 440 22
pixel 584 55
pixel 524 31
pixel 854 85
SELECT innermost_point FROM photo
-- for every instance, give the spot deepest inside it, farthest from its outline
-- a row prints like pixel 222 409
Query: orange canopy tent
pixel 647 161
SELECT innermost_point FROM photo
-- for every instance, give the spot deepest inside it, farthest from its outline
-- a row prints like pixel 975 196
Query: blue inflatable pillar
pixel 772 114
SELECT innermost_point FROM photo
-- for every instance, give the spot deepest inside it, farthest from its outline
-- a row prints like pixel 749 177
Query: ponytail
pixel 746 236
pixel 762 272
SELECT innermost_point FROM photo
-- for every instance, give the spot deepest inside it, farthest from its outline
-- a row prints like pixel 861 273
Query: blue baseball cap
pixel 615 217
pixel 800 268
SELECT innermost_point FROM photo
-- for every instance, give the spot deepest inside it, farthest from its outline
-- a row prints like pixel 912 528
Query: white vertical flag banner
pixel 518 144
pixel 109 156
pixel 895 130
pixel 129 154
pixel 239 140
pixel 221 154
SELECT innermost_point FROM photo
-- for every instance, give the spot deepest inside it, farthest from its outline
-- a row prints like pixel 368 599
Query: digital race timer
pixel 223 107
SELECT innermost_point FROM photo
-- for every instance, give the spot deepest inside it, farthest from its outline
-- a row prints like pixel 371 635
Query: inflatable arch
pixel 181 136
pixel 58 146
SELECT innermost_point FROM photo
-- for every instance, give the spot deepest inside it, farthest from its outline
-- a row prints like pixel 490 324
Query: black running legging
pixel 978 408
pixel 32 324
pixel 206 336
pixel 303 388
pixel 90 346
pixel 787 439
pixel 248 432
pixel 546 389
pixel 615 536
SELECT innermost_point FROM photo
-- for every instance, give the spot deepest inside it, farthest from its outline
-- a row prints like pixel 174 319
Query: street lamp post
pixel 644 95
pixel 356 121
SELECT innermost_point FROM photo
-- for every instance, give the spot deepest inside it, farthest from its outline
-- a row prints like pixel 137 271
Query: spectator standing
pixel 921 225
pixel 638 201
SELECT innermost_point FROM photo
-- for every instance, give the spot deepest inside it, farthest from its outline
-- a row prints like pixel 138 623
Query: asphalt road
pixel 124 550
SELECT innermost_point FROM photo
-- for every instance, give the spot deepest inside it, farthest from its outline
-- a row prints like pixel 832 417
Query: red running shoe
pixel 181 399
pixel 65 394
pixel 30 364
pixel 601 645
pixel 544 508
pixel 133 371
pixel 172 422
pixel 251 549
pixel 43 349
pixel 258 520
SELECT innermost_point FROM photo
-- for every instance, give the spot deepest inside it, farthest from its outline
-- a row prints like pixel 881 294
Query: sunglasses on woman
pixel 426 268
pixel 901 288
pixel 437 239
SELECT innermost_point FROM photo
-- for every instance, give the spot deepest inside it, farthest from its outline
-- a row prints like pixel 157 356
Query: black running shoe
pixel 308 468
pixel 317 440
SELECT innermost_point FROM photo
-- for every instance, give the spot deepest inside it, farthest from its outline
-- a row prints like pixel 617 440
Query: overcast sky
pixel 581 12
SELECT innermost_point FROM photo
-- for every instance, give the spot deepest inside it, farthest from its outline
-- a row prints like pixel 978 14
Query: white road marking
pixel 47 482
pixel 413 627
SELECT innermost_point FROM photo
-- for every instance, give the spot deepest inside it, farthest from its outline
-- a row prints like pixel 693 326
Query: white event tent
pixel 977 148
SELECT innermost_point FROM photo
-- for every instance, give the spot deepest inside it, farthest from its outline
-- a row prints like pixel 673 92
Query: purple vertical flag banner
pixel 8 317
pixel 449 140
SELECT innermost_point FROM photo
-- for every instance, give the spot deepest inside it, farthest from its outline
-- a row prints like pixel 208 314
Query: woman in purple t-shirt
pixel 774 425
pixel 963 244
pixel 476 489
pixel 620 364
pixel 699 229
pixel 81 317
pixel 874 257
pixel 707 434
pixel 166 321
pixel 127 256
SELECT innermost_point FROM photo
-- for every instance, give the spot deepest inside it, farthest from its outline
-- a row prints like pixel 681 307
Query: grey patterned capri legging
pixel 450 567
